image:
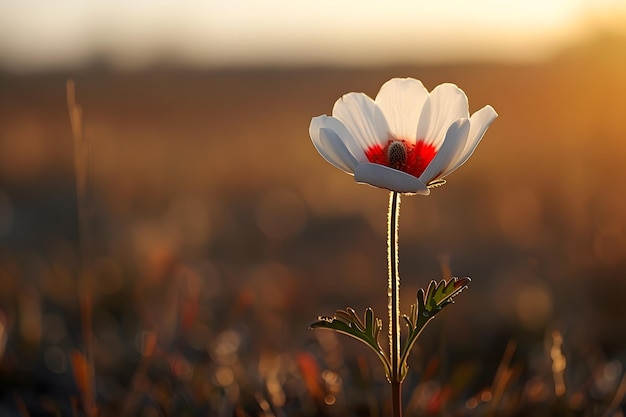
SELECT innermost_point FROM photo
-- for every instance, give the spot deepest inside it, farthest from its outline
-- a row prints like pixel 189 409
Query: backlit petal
pixel 364 120
pixel 388 178
pixel 401 101
pixel 446 104
pixel 337 151
pixel 479 122
pixel 322 146
pixel 453 145
pixel 341 130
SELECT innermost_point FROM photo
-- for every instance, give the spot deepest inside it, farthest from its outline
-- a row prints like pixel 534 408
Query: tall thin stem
pixel 393 291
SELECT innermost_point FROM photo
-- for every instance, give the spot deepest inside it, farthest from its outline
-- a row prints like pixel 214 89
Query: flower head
pixel 404 140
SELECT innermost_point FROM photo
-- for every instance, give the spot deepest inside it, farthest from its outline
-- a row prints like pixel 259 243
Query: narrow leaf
pixel 437 296
pixel 366 330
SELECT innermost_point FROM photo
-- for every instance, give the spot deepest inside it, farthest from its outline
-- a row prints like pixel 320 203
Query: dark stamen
pixel 396 153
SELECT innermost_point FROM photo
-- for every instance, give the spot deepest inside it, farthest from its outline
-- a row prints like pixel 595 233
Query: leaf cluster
pixel 428 304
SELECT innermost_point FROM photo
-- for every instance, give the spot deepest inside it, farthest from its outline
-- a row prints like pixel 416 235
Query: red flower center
pixel 412 158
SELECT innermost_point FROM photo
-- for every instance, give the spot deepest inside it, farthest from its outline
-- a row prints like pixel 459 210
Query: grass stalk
pixel 83 160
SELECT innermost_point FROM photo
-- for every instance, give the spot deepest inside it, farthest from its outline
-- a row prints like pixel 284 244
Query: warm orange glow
pixel 245 32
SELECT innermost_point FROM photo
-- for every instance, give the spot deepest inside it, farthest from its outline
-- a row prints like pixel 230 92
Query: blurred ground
pixel 221 233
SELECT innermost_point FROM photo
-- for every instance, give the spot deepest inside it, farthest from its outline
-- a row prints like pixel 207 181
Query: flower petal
pixel 337 151
pixel 479 122
pixel 364 120
pixel 401 101
pixel 323 147
pixel 341 130
pixel 453 145
pixel 446 104
pixel 389 178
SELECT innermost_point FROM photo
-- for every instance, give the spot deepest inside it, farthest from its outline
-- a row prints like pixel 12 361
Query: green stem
pixel 394 304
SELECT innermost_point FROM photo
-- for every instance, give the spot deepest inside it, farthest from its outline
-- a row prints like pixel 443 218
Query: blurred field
pixel 220 233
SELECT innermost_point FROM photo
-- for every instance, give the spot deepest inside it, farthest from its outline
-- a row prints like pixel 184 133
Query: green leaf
pixel 437 296
pixel 366 330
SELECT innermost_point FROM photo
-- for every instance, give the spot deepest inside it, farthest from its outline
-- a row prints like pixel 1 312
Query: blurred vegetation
pixel 220 234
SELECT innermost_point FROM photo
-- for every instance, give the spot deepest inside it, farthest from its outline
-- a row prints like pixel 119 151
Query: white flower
pixel 405 139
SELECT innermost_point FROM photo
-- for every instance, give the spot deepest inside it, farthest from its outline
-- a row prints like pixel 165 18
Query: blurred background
pixel 219 233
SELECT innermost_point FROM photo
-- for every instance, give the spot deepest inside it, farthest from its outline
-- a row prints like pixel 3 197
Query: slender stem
pixel 396 398
pixel 394 304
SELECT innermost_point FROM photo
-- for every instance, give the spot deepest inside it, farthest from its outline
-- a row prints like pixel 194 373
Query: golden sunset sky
pixel 68 33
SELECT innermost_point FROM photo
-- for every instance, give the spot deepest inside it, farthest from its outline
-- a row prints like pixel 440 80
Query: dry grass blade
pixel 502 377
pixel 140 384
pixel 21 406
pixel 81 372
pixel 559 363
pixel 83 159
